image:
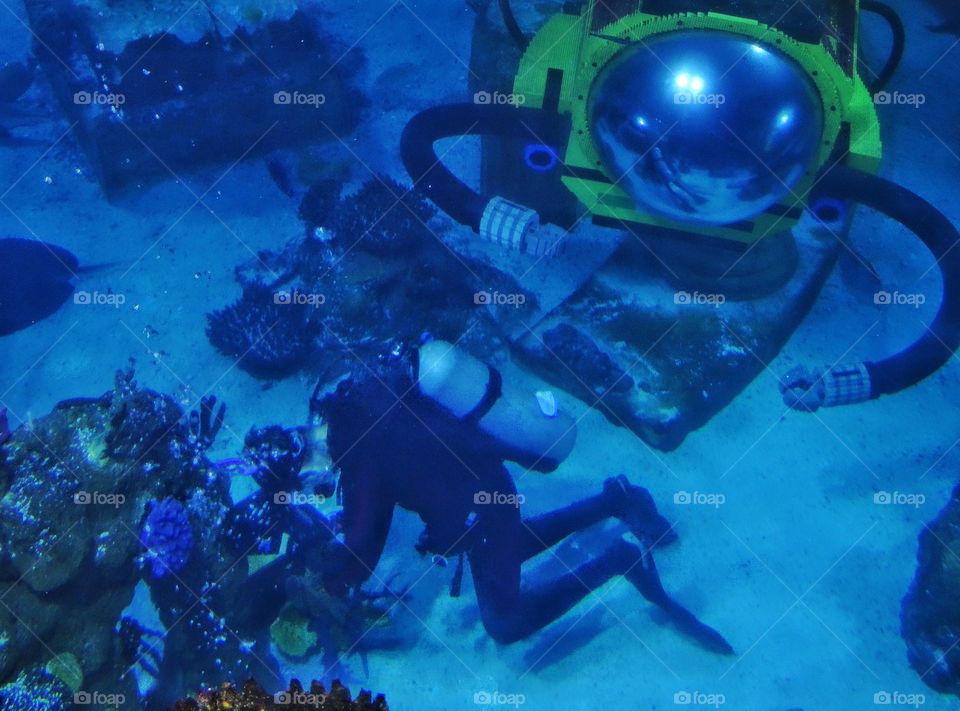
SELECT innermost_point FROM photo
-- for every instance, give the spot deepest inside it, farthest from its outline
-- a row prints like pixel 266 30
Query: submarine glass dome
pixel 706 126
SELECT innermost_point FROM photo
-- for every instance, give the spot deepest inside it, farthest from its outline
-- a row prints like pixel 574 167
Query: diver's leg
pixel 546 530
pixel 510 614
pixel 620 499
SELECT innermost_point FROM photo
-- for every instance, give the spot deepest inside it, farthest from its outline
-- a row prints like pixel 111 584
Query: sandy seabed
pixel 799 567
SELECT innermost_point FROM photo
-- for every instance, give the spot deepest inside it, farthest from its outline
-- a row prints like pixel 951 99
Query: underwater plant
pixel 269 337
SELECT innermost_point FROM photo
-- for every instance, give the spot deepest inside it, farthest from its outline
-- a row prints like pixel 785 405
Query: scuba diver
pixel 428 429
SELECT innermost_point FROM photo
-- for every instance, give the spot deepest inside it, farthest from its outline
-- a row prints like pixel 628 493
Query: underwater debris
pixel 167 536
pixel 582 356
pixel 252 697
pixel 929 614
pixel 269 338
pixel 383 217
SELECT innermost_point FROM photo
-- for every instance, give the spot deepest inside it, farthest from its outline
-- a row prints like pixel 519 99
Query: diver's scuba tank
pixel 532 429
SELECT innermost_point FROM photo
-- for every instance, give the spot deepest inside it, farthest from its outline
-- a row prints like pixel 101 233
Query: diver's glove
pixel 804 389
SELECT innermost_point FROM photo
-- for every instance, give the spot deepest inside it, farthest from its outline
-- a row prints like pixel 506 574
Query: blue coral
pixel 167 536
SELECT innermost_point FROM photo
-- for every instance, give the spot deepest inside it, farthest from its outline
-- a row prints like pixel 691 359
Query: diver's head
pixel 705 126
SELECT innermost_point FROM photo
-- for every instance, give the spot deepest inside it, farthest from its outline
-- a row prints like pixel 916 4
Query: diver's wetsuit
pixel 396 447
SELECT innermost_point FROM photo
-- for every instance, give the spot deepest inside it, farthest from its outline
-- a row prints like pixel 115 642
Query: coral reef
pixel 251 697
pixel 318 204
pixel 76 488
pixel 34 690
pixel 383 217
pixel 118 22
pixel 291 633
pixel 110 496
pixel 4 426
pixel 278 455
pixel 267 335
pixel 377 275
pixel 167 537
pixel 929 615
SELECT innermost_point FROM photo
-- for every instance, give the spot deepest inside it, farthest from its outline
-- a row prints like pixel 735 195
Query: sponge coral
pixel 268 335
pixel 167 536
pixel 383 217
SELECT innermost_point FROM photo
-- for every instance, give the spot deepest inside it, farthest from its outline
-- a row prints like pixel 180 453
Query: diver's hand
pixel 803 389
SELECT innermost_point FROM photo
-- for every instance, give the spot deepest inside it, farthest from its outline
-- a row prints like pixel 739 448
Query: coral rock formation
pixel 930 615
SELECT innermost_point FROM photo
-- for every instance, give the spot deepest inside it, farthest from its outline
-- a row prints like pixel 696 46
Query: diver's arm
pixel 367 514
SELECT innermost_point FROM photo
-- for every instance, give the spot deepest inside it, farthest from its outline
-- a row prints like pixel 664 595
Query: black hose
pixel 891 17
pixel 510 20
pixel 435 180
pixel 938 343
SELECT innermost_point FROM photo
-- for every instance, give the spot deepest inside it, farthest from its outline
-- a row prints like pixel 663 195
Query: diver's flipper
pixel 645 578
